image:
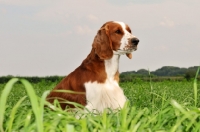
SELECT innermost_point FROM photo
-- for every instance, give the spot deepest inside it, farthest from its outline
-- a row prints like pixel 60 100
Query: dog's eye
pixel 118 31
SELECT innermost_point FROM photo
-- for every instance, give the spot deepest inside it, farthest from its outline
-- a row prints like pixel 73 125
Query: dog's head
pixel 114 38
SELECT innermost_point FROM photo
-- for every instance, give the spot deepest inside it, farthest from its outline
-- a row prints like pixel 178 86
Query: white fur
pixel 125 38
pixel 108 94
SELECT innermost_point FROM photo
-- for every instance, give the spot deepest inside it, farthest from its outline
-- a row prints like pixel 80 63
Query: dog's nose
pixel 135 41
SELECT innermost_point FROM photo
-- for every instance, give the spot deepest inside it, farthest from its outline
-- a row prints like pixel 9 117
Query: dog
pixel 98 76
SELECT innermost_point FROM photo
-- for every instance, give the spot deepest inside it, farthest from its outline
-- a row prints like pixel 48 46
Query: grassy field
pixel 153 106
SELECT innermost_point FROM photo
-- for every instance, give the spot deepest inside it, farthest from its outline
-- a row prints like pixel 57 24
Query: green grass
pixel 152 106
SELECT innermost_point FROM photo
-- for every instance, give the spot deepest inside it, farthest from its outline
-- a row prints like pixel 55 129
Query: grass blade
pixel 195 87
pixel 13 112
pixel 3 99
pixel 34 103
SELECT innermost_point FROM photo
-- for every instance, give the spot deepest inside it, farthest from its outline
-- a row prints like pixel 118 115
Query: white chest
pixel 104 95
pixel 108 94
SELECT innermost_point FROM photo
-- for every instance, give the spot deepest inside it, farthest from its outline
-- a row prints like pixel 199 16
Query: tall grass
pixel 37 109
pixel 150 108
pixel 195 87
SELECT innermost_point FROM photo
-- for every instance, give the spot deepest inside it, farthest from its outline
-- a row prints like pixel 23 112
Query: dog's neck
pixel 112 66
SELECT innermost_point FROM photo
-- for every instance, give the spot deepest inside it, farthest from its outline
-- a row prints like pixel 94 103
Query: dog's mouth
pixel 126 51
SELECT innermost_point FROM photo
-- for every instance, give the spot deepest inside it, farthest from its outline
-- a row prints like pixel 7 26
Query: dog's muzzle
pixel 135 41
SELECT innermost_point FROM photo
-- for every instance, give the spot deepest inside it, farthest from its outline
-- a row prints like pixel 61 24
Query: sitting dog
pixel 98 75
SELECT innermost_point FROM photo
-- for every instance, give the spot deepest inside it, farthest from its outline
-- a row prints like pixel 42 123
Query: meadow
pixel 152 106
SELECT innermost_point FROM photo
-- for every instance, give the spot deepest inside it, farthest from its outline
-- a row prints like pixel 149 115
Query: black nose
pixel 135 41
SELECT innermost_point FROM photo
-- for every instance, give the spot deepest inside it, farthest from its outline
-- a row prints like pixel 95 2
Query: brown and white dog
pixel 98 76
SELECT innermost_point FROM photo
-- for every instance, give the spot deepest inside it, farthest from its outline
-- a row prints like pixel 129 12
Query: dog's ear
pixel 102 43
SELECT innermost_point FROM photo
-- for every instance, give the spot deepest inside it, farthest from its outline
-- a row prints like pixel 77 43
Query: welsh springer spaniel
pixel 98 76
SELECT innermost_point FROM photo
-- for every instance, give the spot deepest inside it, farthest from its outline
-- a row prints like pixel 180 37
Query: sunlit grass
pixel 156 106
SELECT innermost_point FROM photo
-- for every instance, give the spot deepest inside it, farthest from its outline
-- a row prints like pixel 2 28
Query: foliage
pixel 151 107
pixel 170 71
pixel 5 79
pixel 164 71
pixel 162 74
pixel 190 74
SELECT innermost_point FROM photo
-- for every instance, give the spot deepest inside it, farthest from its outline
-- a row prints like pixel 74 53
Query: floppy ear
pixel 102 43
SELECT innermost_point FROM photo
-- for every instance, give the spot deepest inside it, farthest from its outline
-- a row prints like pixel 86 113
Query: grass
pixel 157 106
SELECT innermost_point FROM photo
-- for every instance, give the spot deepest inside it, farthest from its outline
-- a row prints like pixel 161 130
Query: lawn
pixel 151 106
